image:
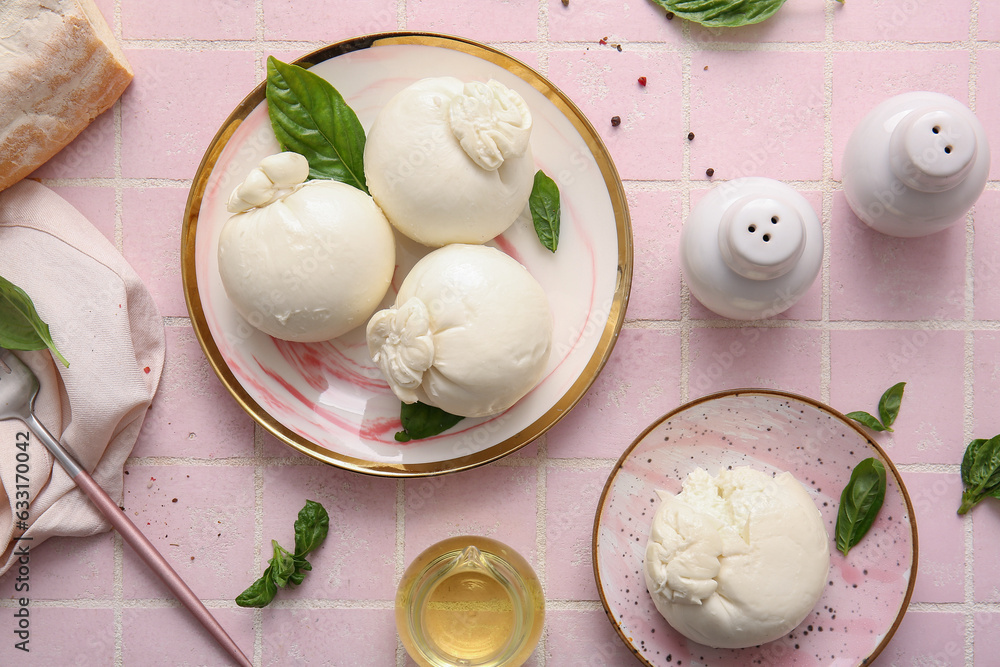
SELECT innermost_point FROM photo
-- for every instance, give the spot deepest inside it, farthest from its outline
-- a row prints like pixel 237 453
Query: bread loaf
pixel 60 67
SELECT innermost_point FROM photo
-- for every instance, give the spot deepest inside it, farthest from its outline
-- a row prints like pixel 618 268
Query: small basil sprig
pixel 888 410
pixel 544 205
pixel 311 118
pixel 980 472
pixel 20 326
pixel 311 527
pixel 859 503
pixel 422 421
pixel 722 13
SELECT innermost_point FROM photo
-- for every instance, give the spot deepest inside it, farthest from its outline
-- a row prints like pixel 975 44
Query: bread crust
pixel 60 69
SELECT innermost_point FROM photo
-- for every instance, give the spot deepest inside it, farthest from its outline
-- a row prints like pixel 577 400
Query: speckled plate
pixel 328 400
pixel 771 431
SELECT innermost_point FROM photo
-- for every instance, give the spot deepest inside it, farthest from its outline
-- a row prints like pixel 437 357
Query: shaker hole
pixel 936 129
pixel 774 219
pixel 947 149
pixel 767 237
pixel 752 228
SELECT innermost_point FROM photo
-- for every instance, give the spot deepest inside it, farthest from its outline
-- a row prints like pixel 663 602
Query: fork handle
pixel 135 539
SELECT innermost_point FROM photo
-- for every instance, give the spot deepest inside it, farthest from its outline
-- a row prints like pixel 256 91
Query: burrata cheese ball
pixel 736 560
pixel 304 261
pixel 470 332
pixel 450 161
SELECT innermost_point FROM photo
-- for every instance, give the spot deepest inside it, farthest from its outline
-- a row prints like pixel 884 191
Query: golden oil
pixel 470 602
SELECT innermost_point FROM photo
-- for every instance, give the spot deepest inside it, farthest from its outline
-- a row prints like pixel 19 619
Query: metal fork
pixel 18 389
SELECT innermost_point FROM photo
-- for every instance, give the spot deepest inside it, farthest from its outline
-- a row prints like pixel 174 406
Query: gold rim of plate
pixel 612 326
pixel 781 394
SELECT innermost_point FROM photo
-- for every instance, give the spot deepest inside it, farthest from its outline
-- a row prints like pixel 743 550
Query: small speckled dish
pixel 771 431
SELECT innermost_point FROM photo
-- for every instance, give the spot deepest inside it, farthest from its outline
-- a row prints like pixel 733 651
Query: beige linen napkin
pixel 104 321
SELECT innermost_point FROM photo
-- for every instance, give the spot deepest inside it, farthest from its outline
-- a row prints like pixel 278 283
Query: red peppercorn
pixel 642 81
pixel 616 121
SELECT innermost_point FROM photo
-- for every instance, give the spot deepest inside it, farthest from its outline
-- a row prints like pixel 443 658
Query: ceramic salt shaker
pixel 751 248
pixel 915 164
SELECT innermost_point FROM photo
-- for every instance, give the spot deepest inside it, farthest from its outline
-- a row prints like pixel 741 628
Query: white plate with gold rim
pixel 328 399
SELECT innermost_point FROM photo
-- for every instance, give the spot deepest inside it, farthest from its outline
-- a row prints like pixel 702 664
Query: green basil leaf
pixel 311 527
pixel 284 568
pixel 310 117
pixel 888 405
pixel 301 567
pixel 422 421
pixel 980 472
pixel 260 592
pixel 20 326
pixel 969 459
pixel 282 564
pixel 859 503
pixel 986 465
pixel 866 419
pixel 544 205
pixel 722 13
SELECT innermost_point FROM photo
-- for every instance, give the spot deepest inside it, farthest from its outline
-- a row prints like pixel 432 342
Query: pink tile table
pixel 779 99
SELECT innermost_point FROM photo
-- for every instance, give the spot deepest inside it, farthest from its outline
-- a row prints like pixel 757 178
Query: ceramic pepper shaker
pixel 751 248
pixel 915 164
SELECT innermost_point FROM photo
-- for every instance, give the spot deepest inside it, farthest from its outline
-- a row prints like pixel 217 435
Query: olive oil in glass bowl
pixel 469 601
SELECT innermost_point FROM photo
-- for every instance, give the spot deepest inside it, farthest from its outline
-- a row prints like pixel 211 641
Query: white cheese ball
pixel 736 560
pixel 310 265
pixel 450 162
pixel 470 332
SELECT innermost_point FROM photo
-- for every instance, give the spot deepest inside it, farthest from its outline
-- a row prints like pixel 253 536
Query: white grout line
pixel 684 378
pixel 116 600
pixel 827 190
pixel 258 535
pixel 970 359
pixel 400 560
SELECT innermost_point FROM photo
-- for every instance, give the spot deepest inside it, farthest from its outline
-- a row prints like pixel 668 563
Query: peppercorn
pixel 690 136
pixel 642 81
pixel 616 121
pixel 710 172
pixel 670 16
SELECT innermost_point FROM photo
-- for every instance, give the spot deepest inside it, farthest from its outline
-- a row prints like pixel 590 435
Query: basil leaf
pixel 980 472
pixel 722 13
pixel 985 472
pixel 283 568
pixel 422 421
pixel 866 419
pixel 544 205
pixel 311 527
pixel 969 459
pixel 859 503
pixel 888 405
pixel 282 564
pixel 310 117
pixel 20 326
pixel 260 592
